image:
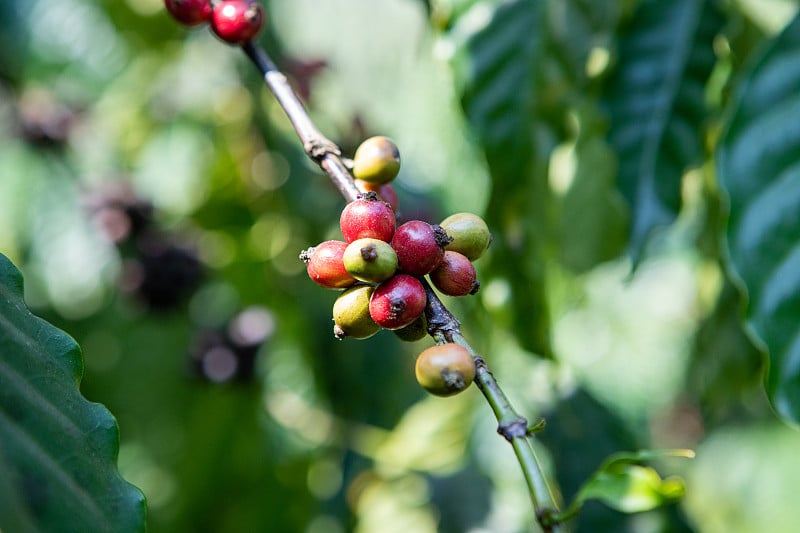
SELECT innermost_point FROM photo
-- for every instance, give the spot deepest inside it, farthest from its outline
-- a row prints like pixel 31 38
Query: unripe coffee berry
pixel 325 266
pixel 455 275
pixel 471 236
pixel 237 21
pixel 415 331
pixel 397 302
pixel 367 216
pixel 351 314
pixel 377 160
pixel 189 12
pixel 445 370
pixel 385 192
pixel 370 260
pixel 419 247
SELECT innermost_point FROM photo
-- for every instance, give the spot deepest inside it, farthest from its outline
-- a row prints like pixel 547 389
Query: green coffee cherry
pixel 415 331
pixel 370 260
pixel 351 314
pixel 471 236
pixel 377 160
pixel 445 369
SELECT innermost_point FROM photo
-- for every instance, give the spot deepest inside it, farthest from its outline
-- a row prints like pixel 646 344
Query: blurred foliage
pixel 155 198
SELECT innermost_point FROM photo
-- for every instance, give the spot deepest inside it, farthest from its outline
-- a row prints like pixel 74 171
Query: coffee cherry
pixel 367 216
pixel 397 302
pixel 164 276
pixel 189 12
pixel 351 315
pixel 415 331
pixel 445 370
pixel 419 247
pixel 455 276
pixel 370 260
pixel 470 234
pixel 377 160
pixel 385 192
pixel 237 21
pixel 325 267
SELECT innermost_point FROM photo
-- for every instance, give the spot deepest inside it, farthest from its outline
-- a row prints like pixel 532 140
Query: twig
pixel 443 326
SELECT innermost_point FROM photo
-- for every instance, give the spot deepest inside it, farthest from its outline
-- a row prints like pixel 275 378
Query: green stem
pixel 442 325
pixel 514 428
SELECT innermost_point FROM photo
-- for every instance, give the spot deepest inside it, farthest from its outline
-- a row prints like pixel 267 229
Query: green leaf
pixel 497 50
pixel 656 100
pixel 757 166
pixel 593 215
pixel 57 450
pixel 624 485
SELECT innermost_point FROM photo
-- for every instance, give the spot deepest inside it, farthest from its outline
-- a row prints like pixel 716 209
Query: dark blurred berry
pixel 119 213
pixel 163 276
pixel 229 354
pixel 42 121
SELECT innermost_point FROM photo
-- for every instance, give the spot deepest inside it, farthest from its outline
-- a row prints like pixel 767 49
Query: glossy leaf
pixel 656 102
pixel 58 449
pixel 625 485
pixel 497 51
pixel 757 166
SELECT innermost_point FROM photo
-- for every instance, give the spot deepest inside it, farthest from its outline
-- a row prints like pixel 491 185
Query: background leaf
pixel 59 449
pixel 624 485
pixel 757 165
pixel 498 48
pixel 656 102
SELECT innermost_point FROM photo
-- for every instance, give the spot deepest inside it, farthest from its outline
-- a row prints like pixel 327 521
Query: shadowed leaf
pixel 656 101
pixel 757 162
pixel 58 449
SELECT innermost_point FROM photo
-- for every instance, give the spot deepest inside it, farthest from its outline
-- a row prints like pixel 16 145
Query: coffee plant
pixel 547 273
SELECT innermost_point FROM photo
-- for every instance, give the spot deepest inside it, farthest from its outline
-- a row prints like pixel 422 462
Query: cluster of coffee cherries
pixel 379 265
pixel 233 21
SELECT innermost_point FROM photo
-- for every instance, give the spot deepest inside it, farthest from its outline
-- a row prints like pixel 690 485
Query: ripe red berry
pixel 325 266
pixel 367 217
pixel 397 302
pixel 455 276
pixel 189 12
pixel 419 247
pixel 237 21
pixel 385 192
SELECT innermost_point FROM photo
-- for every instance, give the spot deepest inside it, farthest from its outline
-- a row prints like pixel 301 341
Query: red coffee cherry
pixel 367 217
pixel 385 192
pixel 445 370
pixel 351 315
pixel 455 276
pixel 237 21
pixel 377 160
pixel 189 12
pixel 397 302
pixel 325 266
pixel 370 260
pixel 419 247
